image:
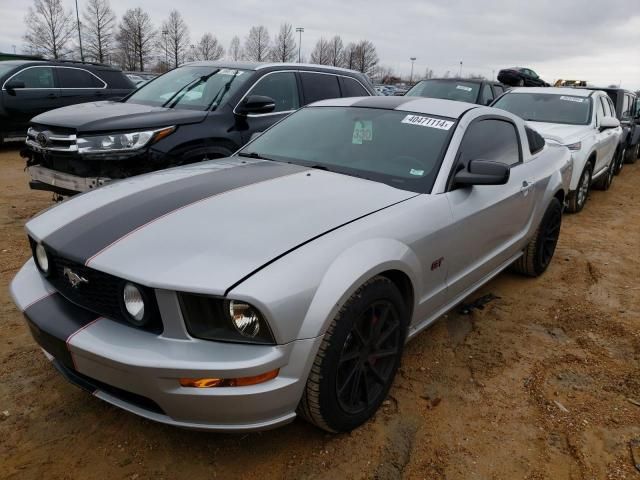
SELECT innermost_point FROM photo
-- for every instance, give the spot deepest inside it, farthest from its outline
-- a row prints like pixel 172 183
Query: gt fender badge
pixel 437 264
pixel 73 278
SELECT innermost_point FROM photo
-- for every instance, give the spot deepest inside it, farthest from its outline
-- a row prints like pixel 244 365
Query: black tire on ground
pixel 605 180
pixel 619 157
pixel 632 154
pixel 358 358
pixel 577 199
pixel 539 252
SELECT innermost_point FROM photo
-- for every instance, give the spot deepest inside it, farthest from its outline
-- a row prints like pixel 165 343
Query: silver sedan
pixel 236 294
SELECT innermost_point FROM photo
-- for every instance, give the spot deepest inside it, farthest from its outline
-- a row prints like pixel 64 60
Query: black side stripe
pixel 53 321
pixel 86 236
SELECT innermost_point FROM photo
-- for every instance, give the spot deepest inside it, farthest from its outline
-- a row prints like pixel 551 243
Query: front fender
pixel 349 271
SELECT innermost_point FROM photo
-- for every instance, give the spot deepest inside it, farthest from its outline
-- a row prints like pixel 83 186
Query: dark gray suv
pixel 33 87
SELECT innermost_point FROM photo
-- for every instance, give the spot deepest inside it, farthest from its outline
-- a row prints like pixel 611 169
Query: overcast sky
pixel 595 40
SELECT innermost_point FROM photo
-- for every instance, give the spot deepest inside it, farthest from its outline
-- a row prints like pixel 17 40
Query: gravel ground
pixel 544 382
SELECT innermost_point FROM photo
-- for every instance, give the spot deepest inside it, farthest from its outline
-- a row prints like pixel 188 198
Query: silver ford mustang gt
pixel 237 293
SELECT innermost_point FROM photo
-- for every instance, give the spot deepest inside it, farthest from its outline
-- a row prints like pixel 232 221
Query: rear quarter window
pixel 353 88
pixel 114 79
pixel 536 141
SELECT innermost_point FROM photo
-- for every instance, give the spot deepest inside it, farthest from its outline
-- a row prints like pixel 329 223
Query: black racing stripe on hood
pixel 88 235
pixel 53 320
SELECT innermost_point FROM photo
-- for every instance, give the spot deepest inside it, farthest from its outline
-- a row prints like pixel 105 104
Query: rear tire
pixel 632 154
pixel 578 199
pixel 358 358
pixel 539 252
pixel 620 159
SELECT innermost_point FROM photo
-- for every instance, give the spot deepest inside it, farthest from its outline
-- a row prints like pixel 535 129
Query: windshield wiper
pixel 254 155
pixel 188 87
pixel 223 91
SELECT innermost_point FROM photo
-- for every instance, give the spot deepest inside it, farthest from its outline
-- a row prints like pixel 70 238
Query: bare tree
pixel 256 45
pixel 320 54
pixel 136 39
pixel 99 25
pixel 284 49
pixel 177 37
pixel 366 57
pixel 336 51
pixel 49 28
pixel 235 49
pixel 428 73
pixel 349 57
pixel 208 48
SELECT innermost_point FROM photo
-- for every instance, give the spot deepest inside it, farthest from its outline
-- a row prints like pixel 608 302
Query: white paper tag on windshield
pixel 572 99
pixel 227 71
pixel 462 87
pixel 427 122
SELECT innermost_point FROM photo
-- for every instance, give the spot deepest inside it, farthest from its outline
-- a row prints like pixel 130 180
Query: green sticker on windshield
pixel 362 132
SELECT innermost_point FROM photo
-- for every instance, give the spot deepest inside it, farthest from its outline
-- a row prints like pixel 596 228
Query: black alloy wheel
pixel 366 364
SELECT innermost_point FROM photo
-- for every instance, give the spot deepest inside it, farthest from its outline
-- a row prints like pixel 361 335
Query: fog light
pixel 228 382
pixel 133 303
pixel 245 319
pixel 42 259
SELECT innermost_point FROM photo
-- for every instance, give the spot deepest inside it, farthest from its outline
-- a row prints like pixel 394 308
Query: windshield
pixel 446 89
pixel 195 88
pixel 398 148
pixel 546 107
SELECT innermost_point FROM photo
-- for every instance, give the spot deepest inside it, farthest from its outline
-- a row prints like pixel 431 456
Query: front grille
pixel 101 293
pixel 53 140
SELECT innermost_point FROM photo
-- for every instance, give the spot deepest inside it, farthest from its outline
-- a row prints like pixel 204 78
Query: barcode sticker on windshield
pixel 427 122
pixel 572 99
pixel 462 87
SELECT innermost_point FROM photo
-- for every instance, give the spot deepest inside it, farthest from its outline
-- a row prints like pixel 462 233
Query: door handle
pixel 526 187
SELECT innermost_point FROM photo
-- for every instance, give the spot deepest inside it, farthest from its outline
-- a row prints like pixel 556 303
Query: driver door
pixel 490 222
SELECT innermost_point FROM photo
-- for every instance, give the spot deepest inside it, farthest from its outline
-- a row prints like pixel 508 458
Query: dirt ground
pixel 541 384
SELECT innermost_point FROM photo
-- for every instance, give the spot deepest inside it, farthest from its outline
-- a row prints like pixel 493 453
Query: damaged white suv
pixel 582 120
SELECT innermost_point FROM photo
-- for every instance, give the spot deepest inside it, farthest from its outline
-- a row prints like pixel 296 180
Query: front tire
pixel 539 252
pixel 358 358
pixel 578 199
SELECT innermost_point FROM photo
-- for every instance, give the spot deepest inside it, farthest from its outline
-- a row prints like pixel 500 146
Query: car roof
pixel 264 65
pixel 574 92
pixel 456 79
pixel 611 89
pixel 430 106
pixel 62 63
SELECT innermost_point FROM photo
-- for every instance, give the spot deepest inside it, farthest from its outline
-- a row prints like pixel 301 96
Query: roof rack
pixel 81 62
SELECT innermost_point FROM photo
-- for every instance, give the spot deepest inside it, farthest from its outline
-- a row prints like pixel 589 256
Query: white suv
pixel 582 120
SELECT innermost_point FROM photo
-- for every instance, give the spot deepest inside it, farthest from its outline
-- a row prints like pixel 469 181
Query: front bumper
pixel 63 183
pixel 139 371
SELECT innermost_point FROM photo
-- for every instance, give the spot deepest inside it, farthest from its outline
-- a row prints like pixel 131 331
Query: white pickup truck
pixel 582 120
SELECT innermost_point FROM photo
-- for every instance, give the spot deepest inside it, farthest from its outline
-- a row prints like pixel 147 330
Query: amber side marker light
pixel 228 382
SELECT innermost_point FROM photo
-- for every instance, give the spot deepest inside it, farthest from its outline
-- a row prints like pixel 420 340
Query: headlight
pixel 574 146
pixel 224 320
pixel 121 142
pixel 42 259
pixel 134 304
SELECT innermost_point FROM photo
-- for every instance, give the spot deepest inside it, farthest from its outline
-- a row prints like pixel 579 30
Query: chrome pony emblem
pixel 73 278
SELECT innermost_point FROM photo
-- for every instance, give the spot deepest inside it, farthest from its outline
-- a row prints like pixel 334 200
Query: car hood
pixel 559 132
pixel 206 227
pixel 113 116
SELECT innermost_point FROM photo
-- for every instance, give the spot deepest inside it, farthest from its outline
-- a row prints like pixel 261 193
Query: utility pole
pixel 299 30
pixel 165 32
pixel 79 33
pixel 413 59
pixel 460 74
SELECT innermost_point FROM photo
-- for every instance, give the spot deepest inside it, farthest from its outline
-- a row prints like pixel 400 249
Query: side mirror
pixel 12 86
pixel 257 104
pixel 609 122
pixel 483 172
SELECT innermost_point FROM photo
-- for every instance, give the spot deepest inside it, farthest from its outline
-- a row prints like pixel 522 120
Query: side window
pixel 494 140
pixel 77 78
pixel 599 111
pixel 626 106
pixel 606 107
pixel 612 107
pixel 40 77
pixel 352 88
pixel 486 95
pixel 282 87
pixel 318 86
